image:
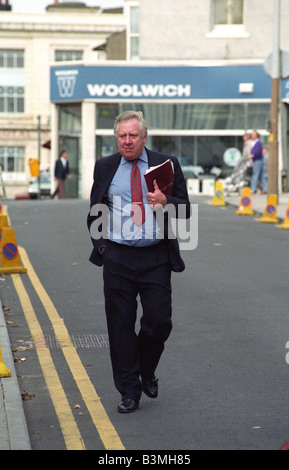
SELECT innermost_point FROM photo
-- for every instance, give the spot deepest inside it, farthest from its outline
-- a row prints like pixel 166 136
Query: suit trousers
pixel 130 273
pixel 60 188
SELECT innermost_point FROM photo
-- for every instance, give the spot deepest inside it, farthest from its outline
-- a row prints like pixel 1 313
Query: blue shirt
pixel 121 227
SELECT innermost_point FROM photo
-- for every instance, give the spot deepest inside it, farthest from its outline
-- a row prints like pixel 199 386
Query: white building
pixel 29 44
pixel 196 70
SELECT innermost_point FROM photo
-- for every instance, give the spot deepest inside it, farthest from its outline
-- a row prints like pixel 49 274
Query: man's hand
pixel 156 199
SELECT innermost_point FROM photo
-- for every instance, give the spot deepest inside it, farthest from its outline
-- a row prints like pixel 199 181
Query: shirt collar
pixel 143 158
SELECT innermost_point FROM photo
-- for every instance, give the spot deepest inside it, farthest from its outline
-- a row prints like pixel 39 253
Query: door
pixel 71 145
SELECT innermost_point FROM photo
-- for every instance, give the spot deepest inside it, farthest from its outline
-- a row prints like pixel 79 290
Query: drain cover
pixel 80 341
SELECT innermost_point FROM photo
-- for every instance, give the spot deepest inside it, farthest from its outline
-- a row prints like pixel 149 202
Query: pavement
pixel 13 427
pixel 259 202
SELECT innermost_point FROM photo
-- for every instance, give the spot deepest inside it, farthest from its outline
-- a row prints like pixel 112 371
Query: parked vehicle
pixel 45 186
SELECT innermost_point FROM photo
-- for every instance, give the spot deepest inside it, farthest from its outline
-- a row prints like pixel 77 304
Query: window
pixel 70 119
pixel 214 127
pixel 12 81
pixel 12 58
pixel 105 115
pixel 227 12
pixel 190 116
pixel 134 20
pixel 65 55
pixel 11 99
pixel 12 159
pixel 206 151
pixel 133 32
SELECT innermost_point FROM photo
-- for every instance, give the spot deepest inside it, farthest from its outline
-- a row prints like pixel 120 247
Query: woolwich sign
pixel 125 82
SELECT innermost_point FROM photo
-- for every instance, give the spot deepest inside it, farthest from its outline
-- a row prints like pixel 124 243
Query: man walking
pixel 133 262
pixel 61 172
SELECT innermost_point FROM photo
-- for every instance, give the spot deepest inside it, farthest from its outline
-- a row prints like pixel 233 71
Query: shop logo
pixel 139 91
pixel 66 80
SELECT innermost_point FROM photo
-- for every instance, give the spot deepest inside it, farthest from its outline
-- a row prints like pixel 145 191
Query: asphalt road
pixel 223 378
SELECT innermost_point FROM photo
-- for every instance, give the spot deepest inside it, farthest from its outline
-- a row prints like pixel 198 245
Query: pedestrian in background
pixel 133 265
pixel 265 161
pixel 258 174
pixel 246 151
pixel 61 172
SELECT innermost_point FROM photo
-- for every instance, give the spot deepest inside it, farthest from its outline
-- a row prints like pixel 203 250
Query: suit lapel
pixel 108 171
pixel 111 168
pixel 153 159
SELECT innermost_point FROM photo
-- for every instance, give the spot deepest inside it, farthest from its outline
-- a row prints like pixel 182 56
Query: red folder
pixel 164 176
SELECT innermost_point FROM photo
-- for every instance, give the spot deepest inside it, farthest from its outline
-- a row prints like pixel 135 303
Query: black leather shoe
pixel 150 387
pixel 127 406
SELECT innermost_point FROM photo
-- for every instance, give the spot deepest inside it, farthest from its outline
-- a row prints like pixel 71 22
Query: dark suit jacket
pixel 104 172
pixel 60 172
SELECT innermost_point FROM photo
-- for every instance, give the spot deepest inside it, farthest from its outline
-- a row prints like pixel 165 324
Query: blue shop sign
pixel 138 83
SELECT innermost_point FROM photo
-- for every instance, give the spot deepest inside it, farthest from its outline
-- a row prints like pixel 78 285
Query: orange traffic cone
pixel 285 225
pixel 3 223
pixel 9 259
pixel 4 371
pixel 219 198
pixel 270 212
pixel 245 207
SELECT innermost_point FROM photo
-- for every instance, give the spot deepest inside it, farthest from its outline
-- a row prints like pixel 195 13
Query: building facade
pixel 68 32
pixel 196 70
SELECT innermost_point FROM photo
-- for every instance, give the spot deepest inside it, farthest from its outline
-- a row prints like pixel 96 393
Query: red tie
pixel 138 216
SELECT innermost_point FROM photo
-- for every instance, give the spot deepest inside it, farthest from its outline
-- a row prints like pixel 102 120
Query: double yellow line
pixel 70 431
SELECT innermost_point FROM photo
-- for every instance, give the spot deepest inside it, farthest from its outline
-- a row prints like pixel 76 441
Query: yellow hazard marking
pixel 106 430
pixel 71 434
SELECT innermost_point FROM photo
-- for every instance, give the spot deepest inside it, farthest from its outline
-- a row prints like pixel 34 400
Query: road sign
pixel 284 64
pixel 10 251
pixel 232 156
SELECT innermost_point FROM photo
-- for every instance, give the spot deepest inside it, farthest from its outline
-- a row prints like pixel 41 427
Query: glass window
pixel 11 58
pixel 210 116
pixel 133 33
pixel 134 20
pixel 258 116
pixel 11 99
pixel 12 159
pixel 70 119
pixel 227 12
pixel 10 61
pixel 105 115
pixel 65 55
pixel 20 60
pixel 105 145
pixel 134 48
pixel 205 151
pixel 191 116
